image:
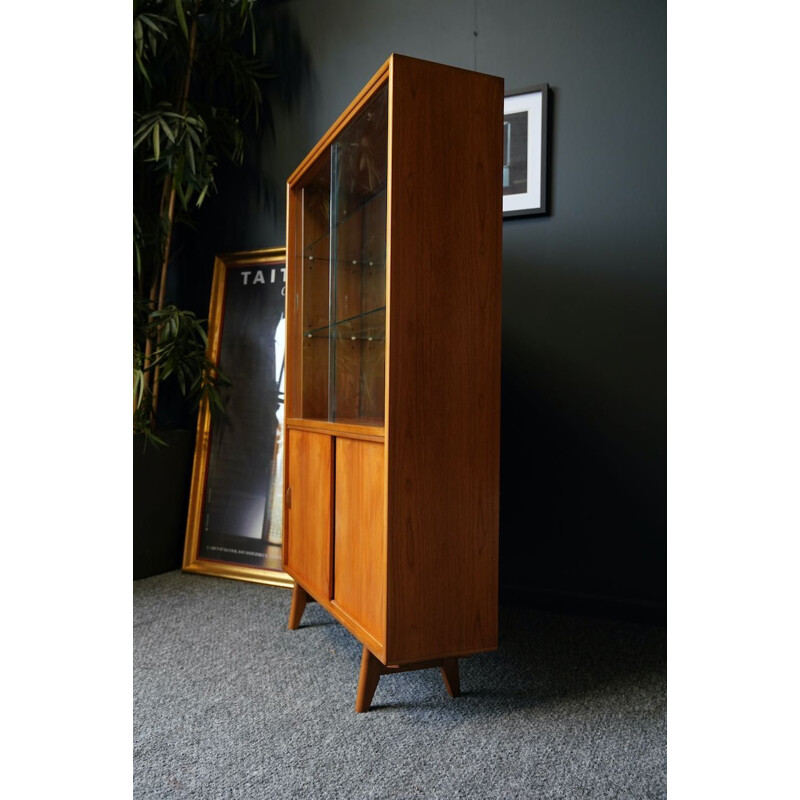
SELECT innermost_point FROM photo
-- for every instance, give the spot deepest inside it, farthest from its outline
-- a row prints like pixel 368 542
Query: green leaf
pixel 181 17
pixel 150 436
pixel 156 143
pixel 167 130
pixel 217 400
pixel 190 157
pixel 181 194
pixel 179 167
pixel 138 36
pixel 143 71
pixel 137 252
pixel 138 386
pixel 181 375
pixel 193 136
pixel 149 20
pixel 140 135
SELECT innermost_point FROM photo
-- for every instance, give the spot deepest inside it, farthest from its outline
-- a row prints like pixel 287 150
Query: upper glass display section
pixel 340 272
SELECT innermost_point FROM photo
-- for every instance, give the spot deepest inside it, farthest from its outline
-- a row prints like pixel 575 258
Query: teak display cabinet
pixel 394 236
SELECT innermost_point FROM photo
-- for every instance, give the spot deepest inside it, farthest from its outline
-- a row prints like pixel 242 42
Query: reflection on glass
pixel 315 288
pixel 344 274
pixel 359 242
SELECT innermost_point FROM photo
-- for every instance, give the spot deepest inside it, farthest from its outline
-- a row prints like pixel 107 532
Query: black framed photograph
pixel 525 152
pixel 235 520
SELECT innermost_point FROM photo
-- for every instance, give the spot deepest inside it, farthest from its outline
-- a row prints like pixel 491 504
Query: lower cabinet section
pixel 359 552
pixel 415 589
pixel 335 538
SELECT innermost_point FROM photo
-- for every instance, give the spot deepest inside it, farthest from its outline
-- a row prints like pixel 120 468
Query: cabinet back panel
pixel 360 534
pixel 445 230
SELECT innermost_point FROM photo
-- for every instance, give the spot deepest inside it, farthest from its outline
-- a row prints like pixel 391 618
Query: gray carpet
pixel 229 704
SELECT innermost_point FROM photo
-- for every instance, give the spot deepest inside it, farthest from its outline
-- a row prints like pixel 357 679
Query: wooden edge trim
pixel 365 432
pixel 387 417
pixel 357 630
pixel 399 662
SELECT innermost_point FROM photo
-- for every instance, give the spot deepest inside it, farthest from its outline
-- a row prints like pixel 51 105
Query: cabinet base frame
pixel 371 667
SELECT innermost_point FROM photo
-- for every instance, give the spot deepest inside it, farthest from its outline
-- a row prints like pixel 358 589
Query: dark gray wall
pixel 583 503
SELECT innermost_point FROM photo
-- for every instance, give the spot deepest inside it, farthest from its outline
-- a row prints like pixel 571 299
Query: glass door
pixel 344 274
pixel 359 242
pixel 315 243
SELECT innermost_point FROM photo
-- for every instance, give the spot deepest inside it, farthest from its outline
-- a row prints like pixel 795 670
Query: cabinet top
pixel 384 74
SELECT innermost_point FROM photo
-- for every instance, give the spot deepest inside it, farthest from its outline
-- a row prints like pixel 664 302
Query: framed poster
pixel 525 152
pixel 235 520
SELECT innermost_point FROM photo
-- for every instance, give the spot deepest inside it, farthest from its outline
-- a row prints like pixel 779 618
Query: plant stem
pixel 169 191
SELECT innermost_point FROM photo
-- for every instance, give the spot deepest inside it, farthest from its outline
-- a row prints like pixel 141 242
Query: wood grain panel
pixel 308 510
pixel 315 377
pixel 372 397
pixel 348 373
pixel 349 237
pixel 443 404
pixel 360 534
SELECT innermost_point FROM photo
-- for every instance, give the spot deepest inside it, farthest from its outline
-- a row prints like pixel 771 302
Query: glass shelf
pixel 369 326
pixel 347 219
pixel 345 215
pixel 352 262
pixel 313 245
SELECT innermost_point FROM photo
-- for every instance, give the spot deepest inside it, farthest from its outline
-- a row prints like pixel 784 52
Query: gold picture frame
pixel 234 522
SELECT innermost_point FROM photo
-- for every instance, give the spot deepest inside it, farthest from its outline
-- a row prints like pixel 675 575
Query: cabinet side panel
pixel 307 530
pixel 444 361
pixel 360 538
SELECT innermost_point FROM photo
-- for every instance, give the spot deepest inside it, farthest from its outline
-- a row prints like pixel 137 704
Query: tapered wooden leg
pixel 367 680
pixel 299 600
pixel 372 669
pixel 450 675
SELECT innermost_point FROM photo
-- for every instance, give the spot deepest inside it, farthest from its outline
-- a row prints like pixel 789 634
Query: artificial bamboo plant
pixel 198 82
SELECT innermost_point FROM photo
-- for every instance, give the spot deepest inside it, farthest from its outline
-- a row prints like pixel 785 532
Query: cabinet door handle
pixel 289 497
